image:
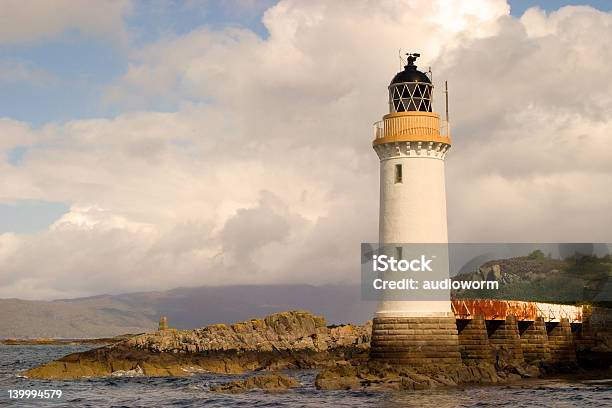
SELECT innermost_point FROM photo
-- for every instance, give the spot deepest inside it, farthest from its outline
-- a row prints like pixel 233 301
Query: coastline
pixel 293 340
pixel 62 341
pixel 196 390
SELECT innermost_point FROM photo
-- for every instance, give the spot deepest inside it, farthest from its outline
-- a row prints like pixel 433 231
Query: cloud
pixel 265 172
pixel 14 133
pixel 30 22
pixel 252 228
pixel 317 48
pixel 532 128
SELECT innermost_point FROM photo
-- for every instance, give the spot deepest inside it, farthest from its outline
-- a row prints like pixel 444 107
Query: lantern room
pixel 410 90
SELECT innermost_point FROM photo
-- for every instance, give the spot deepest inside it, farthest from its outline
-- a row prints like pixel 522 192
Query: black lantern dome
pixel 410 89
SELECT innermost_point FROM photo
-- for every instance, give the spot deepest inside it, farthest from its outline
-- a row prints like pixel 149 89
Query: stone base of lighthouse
pixel 415 341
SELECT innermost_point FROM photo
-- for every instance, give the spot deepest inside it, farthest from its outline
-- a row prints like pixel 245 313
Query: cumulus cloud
pixel 532 129
pixel 266 174
pixel 23 21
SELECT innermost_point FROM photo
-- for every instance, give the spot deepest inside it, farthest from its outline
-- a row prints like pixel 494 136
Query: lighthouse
pixel 412 142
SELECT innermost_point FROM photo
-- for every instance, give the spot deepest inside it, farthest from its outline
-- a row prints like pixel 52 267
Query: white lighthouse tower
pixel 412 142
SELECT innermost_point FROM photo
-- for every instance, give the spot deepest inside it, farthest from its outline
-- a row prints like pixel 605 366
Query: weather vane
pixel 412 56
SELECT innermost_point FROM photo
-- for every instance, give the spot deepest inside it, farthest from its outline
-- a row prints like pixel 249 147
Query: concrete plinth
pixel 504 338
pixel 560 342
pixel 473 340
pixel 415 341
pixel 534 341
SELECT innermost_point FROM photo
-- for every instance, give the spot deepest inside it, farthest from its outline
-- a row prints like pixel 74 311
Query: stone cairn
pixel 163 323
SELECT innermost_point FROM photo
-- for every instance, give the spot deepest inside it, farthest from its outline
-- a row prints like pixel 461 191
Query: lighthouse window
pixel 398 173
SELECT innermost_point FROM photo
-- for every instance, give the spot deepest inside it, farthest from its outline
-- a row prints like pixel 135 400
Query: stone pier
pixel 560 342
pixel 504 338
pixel 534 340
pixel 496 330
pixel 415 341
pixel 473 339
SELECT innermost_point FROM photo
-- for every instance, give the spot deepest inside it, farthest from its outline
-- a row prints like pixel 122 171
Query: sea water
pixel 194 391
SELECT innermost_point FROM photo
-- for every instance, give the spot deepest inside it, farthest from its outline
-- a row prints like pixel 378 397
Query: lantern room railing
pixel 411 125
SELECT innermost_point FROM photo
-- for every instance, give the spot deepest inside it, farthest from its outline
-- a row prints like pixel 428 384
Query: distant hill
pixel 536 277
pixel 186 308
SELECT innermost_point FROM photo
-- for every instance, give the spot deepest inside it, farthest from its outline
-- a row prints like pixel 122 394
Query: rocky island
pixel 279 341
pixel 288 340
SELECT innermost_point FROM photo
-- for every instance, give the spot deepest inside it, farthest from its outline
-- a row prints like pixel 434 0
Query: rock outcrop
pixel 63 342
pixel 380 377
pixel 283 340
pixel 266 382
pixel 300 340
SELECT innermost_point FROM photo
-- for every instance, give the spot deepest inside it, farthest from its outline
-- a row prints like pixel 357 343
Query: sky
pixel 150 145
